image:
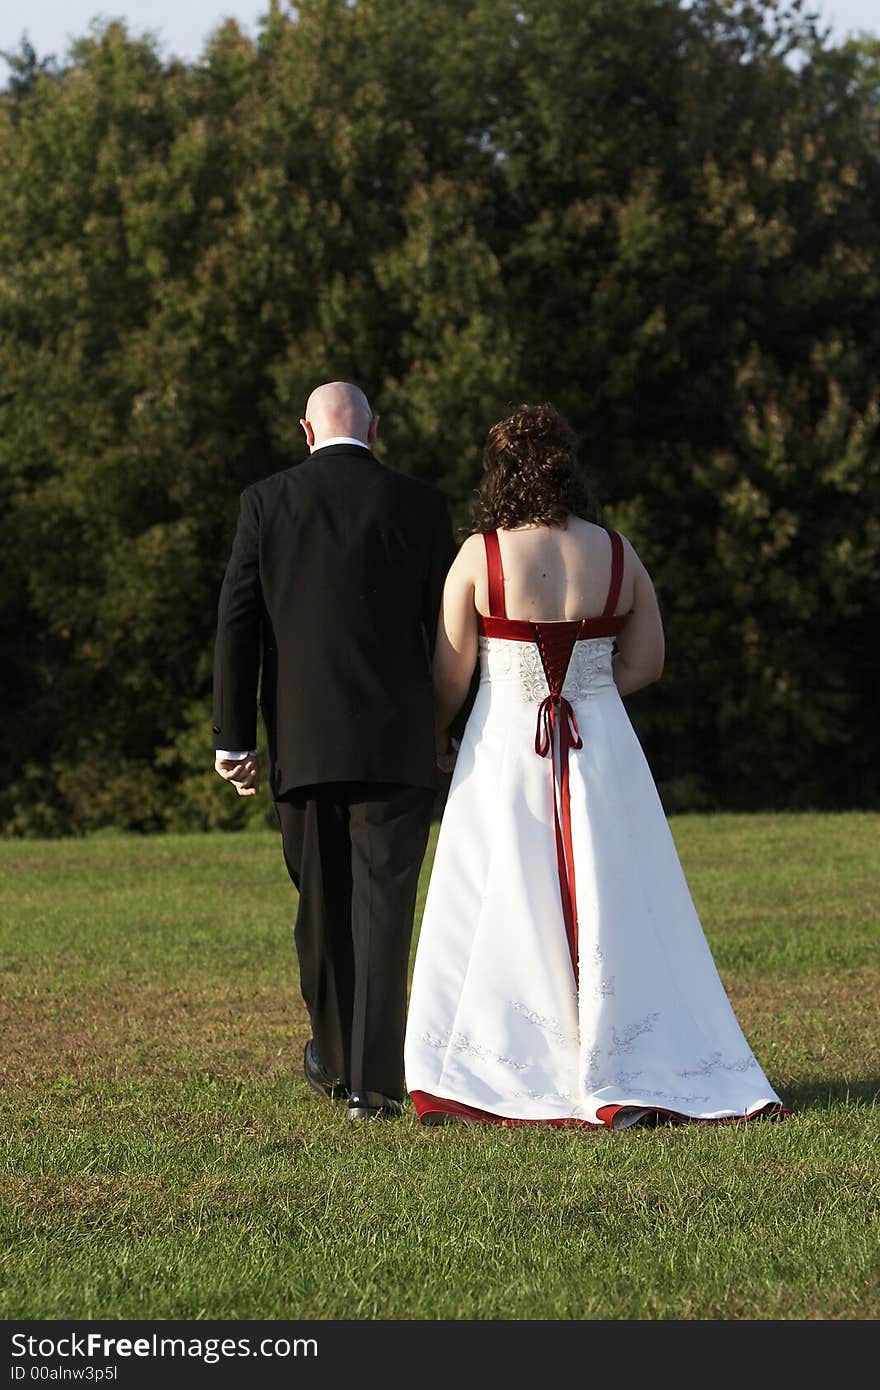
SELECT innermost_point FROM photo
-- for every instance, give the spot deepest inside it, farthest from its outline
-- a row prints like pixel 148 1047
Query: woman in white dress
pixel 562 975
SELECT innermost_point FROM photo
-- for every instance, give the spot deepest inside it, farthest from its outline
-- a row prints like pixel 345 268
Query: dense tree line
pixel 662 217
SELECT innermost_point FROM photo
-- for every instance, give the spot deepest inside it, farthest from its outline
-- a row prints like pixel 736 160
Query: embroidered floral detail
pixel 532 680
pixel 716 1063
pixel 546 1023
pixel 627 1081
pixel 502 658
pixel 670 1095
pixel 460 1042
pixel 603 989
pixel 621 1079
pixel 622 1042
pixel 590 660
pixel 496 657
pixel 597 988
pixel 543 1095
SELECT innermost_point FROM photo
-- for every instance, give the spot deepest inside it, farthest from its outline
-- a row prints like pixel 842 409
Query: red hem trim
pixel 427 1105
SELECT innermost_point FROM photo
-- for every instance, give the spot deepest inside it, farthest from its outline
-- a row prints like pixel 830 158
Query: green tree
pixel 661 216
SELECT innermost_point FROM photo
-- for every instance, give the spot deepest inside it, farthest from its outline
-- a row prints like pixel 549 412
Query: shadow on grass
pixel 817 1092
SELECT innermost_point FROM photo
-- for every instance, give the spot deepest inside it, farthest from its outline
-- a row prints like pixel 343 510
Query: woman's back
pixel 555 573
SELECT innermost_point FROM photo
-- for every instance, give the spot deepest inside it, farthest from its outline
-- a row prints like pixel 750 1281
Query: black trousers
pixel 354 850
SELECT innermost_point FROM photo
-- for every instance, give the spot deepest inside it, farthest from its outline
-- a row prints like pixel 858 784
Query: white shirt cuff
pixel 223 754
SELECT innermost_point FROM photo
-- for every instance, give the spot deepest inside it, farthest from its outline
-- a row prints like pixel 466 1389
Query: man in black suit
pixel 334 587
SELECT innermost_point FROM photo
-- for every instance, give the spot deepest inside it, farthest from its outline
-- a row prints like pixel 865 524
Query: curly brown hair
pixel 530 472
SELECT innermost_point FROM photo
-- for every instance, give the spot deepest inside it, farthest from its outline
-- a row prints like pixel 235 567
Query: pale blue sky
pixel 182 25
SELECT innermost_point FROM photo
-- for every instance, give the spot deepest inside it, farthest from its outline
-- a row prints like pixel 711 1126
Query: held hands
pixel 447 751
pixel 243 773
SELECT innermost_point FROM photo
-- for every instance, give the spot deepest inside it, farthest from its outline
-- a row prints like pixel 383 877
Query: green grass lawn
pixel 163 1157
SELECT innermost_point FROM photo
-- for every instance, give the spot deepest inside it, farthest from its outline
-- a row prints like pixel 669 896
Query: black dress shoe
pixel 319 1077
pixel 372 1105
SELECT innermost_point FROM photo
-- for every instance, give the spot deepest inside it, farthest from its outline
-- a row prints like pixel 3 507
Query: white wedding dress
pixel 562 975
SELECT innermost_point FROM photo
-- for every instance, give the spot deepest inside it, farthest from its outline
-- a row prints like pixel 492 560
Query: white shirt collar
pixel 340 439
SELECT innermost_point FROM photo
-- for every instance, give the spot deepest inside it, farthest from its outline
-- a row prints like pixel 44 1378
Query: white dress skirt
pixel 510 1020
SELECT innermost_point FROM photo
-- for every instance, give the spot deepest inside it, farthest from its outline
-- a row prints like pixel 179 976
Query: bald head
pixel 338 408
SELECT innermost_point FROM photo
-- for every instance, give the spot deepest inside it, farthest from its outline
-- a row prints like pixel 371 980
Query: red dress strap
pixel 616 574
pixel 495 573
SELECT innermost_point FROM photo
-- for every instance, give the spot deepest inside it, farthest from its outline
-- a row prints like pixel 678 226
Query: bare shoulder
pixel 582 528
pixel 468 565
pixel 470 557
pixel 589 534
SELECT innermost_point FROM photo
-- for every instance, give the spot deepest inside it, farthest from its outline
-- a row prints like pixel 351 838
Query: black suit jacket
pixel 334 584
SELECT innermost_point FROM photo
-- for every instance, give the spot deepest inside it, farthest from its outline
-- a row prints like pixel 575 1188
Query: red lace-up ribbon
pixel 557 733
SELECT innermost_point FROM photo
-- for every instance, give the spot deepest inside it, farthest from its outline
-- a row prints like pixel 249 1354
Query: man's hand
pixel 243 773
